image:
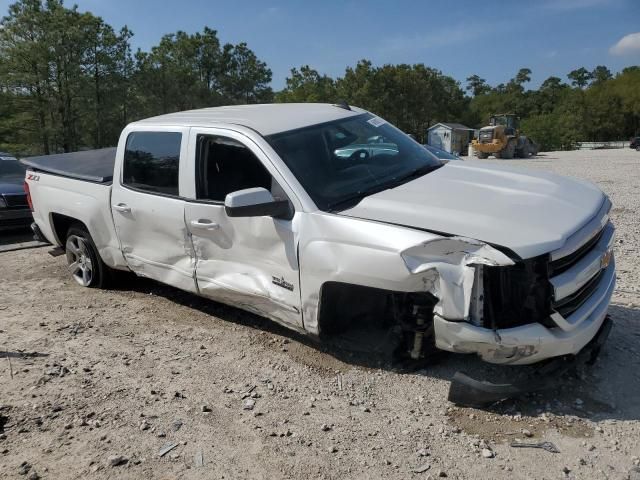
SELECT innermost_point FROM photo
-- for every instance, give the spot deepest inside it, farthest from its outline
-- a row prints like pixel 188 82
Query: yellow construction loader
pixel 502 139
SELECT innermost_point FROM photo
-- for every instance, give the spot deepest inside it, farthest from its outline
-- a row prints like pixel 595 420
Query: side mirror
pixel 256 202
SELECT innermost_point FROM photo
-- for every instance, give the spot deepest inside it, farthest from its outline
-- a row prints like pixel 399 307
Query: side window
pixel 226 165
pixel 151 162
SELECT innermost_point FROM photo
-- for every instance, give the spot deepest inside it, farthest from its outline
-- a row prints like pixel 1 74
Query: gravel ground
pixel 104 381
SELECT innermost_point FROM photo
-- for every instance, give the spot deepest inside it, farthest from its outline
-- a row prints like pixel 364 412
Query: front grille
pixel 485 136
pixel 573 302
pixel 565 263
pixel 525 292
pixel 16 201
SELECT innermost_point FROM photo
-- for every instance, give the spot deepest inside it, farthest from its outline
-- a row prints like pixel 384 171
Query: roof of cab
pixel 266 119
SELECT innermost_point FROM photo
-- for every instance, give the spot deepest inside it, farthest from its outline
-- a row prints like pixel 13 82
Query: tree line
pixel 590 106
pixel 69 80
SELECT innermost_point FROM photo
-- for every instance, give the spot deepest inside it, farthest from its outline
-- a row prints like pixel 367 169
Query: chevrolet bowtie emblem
pixel 606 259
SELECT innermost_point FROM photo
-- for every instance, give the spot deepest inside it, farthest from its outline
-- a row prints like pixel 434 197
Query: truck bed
pixel 90 165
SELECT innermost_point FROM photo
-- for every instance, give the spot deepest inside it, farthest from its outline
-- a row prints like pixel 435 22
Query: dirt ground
pixel 96 384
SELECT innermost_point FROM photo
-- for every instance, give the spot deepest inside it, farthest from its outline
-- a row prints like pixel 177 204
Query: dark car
pixel 14 208
pixel 635 143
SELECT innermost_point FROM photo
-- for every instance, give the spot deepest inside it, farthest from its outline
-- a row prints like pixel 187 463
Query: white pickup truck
pixel 327 218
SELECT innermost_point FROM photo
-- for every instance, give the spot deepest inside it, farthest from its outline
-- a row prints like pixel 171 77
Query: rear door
pixel 148 210
pixel 250 262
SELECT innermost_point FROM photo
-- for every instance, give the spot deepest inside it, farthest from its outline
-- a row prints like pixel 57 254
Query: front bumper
pixel 534 342
pixel 469 392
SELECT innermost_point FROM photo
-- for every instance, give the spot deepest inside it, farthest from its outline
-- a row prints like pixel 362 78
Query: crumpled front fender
pixel 447 267
pixel 388 257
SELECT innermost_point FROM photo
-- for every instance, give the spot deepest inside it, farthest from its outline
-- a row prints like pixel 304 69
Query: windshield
pixel 338 163
pixel 11 169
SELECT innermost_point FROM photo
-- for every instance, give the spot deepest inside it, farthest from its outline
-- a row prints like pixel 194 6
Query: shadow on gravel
pixel 23 355
pixel 608 390
pixel 20 235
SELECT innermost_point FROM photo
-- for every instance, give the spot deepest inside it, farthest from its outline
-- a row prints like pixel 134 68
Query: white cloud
pixel 627 45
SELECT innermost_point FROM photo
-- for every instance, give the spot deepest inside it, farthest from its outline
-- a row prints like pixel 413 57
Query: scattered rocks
pixel 116 460
pixel 422 468
pixel 24 468
pixel 325 427
pixel 205 409
pixel 248 404
pixel 486 453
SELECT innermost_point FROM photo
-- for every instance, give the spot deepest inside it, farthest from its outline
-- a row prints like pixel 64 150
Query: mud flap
pixel 469 392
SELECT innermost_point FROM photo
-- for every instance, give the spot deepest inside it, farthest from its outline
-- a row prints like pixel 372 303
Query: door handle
pixel 122 207
pixel 205 224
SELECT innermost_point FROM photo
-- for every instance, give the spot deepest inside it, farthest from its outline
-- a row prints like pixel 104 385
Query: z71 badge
pixel 33 176
pixel 281 282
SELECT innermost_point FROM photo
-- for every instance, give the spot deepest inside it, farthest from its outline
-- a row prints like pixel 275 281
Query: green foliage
pixel 69 81
pixel 307 85
pixel 412 97
pixel 580 77
pixel 597 107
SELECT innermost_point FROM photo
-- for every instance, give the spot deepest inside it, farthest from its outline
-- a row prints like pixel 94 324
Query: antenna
pixel 343 104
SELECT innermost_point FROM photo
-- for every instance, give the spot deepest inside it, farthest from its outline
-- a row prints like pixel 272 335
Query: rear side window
pixel 151 161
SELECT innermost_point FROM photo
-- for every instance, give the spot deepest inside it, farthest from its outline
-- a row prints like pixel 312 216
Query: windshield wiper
pixel 396 181
pixel 354 198
pixel 418 172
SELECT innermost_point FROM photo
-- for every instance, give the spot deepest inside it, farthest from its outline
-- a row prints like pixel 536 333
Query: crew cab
pixel 286 211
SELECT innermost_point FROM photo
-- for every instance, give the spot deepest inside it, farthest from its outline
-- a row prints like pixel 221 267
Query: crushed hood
pixel 529 212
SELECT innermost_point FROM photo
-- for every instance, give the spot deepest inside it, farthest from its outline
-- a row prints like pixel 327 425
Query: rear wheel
pixel 524 151
pixel 84 263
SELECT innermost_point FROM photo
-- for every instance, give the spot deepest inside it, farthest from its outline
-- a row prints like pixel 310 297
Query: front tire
pixel 83 261
pixel 508 151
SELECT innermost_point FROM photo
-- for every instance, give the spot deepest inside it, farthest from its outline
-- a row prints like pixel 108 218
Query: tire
pixel 83 261
pixel 524 151
pixel 482 155
pixel 508 151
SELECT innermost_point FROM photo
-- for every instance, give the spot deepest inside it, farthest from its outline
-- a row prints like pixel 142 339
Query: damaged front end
pixel 551 313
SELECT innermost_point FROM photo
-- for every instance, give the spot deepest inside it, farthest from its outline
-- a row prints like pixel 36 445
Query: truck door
pixel 148 211
pixel 251 262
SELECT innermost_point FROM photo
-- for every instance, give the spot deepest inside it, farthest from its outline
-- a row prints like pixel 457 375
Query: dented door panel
pixel 248 262
pixel 154 239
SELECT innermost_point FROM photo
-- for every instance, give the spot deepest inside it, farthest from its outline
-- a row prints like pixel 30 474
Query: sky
pixel 491 38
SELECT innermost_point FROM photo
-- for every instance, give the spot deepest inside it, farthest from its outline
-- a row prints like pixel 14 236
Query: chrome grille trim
pixel 586 233
pixel 580 273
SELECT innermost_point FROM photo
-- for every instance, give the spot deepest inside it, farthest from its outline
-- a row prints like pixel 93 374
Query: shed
pixel 450 137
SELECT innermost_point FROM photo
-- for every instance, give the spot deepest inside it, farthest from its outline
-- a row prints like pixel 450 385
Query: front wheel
pixel 84 262
pixel 508 151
